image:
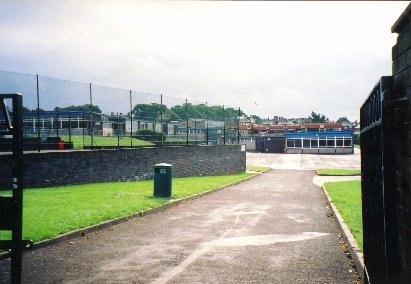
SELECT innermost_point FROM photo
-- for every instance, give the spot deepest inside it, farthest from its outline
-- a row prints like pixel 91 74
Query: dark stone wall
pixel 79 167
pixel 401 130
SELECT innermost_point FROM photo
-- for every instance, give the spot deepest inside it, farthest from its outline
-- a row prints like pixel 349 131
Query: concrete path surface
pixel 270 229
pixel 305 161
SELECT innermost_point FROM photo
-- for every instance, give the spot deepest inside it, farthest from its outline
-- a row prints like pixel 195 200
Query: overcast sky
pixel 269 58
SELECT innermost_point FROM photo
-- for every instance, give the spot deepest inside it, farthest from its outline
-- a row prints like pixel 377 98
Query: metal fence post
pixel 207 124
pixel 91 119
pixel 118 130
pixel 69 127
pixel 223 125
pixel 38 114
pixel 131 120
pixel 187 123
pixel 161 119
pixel 238 124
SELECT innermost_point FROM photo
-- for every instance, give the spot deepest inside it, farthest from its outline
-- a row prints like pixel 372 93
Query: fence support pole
pixel 91 118
pixel 187 123
pixel 238 125
pixel 161 119
pixel 206 123
pixel 118 131
pixel 195 127
pixel 69 127
pixel 223 125
pixel 57 123
pixel 83 130
pixel 131 120
pixel 38 115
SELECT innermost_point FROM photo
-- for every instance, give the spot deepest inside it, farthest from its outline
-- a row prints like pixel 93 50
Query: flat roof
pixel 318 134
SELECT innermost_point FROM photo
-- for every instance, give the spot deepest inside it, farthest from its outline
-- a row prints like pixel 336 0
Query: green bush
pixel 150 135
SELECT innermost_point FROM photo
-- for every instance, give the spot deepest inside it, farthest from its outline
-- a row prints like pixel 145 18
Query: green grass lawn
pixel 346 196
pixel 258 169
pixel 104 141
pixel 52 211
pixel 338 172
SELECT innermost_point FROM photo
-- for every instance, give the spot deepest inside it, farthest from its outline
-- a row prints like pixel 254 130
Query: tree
pixel 149 110
pixel 317 117
pixel 257 119
pixel 27 109
pixel 86 107
pixel 342 119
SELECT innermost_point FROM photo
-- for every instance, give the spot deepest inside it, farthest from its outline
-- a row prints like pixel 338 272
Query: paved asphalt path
pixel 305 161
pixel 270 229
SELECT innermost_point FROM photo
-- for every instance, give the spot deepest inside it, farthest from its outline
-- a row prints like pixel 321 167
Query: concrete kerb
pixel 353 248
pixel 106 224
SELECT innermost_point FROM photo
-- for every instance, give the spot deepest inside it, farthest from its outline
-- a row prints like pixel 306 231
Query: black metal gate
pixel 378 186
pixel 11 207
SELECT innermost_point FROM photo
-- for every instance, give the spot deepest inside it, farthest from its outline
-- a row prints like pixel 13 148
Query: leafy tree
pixel 179 112
pixel 149 110
pixel 257 119
pixel 86 107
pixel 342 119
pixel 317 117
pixel 27 109
pixel 150 135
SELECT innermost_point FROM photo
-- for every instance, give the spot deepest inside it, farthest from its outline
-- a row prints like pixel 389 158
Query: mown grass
pixel 258 169
pixel 52 211
pixel 346 196
pixel 338 172
pixel 104 141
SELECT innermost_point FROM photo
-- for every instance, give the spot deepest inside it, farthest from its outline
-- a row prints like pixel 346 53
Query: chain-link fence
pixel 60 114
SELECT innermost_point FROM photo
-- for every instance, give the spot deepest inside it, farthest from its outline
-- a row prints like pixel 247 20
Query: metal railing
pixel 378 186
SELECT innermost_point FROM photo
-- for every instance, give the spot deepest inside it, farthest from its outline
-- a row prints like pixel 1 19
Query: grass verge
pixel 257 169
pixel 104 141
pixel 338 172
pixel 52 211
pixel 346 196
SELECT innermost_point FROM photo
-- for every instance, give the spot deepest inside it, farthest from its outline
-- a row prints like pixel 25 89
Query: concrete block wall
pixel 401 125
pixel 79 167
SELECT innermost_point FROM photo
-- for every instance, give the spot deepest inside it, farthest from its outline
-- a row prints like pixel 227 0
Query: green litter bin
pixel 162 180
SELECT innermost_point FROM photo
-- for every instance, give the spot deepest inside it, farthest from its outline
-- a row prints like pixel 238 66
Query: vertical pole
pixel 207 124
pixel 91 118
pixel 195 126
pixel 17 183
pixel 38 115
pixel 131 120
pixel 57 123
pixel 187 122
pixel 69 127
pixel 83 130
pixel 161 119
pixel 118 131
pixel 238 124
pixel 223 126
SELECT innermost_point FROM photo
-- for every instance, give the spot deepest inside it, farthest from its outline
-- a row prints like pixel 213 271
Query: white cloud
pixel 294 56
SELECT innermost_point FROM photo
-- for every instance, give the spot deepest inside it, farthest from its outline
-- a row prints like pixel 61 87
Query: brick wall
pixel 78 167
pixel 401 110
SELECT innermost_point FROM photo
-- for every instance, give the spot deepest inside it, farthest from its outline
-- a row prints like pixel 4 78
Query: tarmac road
pixel 270 229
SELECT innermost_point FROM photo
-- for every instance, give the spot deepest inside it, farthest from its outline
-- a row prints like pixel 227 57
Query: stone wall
pixel 401 126
pixel 79 167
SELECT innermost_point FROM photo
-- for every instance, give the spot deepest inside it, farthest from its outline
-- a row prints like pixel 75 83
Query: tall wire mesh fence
pixel 60 114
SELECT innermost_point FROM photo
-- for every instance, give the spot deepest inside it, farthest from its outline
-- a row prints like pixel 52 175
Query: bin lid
pixel 163 165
